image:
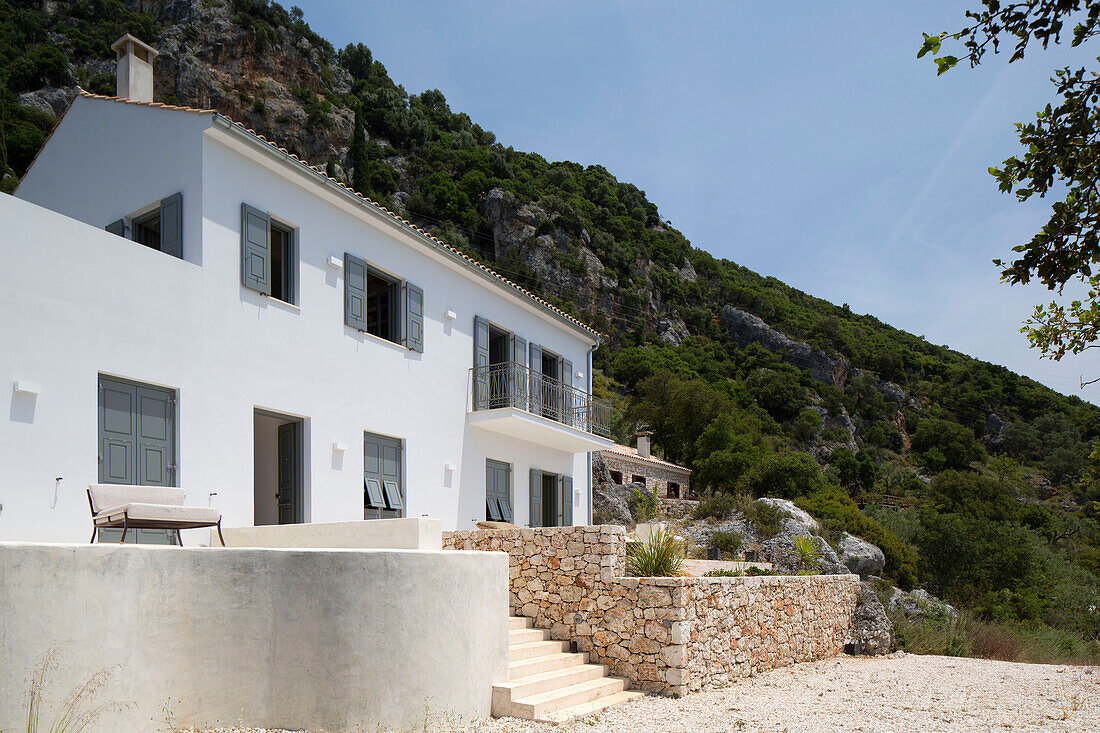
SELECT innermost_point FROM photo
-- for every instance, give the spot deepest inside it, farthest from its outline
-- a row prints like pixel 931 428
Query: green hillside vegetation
pixel 1007 528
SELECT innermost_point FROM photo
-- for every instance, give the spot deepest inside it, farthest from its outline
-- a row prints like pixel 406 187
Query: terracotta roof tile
pixel 401 220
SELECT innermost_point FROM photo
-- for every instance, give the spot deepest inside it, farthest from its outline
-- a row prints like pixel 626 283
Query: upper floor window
pixel 269 257
pixel 383 305
pixel 159 227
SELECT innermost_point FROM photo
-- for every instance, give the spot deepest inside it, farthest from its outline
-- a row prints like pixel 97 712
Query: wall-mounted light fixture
pixel 449 468
pixel 450 315
pixel 339 447
pixel 25 386
pixel 336 263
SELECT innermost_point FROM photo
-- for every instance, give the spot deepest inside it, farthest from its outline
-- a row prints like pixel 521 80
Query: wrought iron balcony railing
pixel 514 385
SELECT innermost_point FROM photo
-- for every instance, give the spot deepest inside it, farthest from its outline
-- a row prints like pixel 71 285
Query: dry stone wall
pixel 667 635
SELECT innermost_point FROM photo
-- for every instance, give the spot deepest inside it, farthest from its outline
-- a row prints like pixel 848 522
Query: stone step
pixel 552 680
pixel 522 636
pixel 520 622
pixel 535 707
pixel 587 708
pixel 531 649
pixel 548 663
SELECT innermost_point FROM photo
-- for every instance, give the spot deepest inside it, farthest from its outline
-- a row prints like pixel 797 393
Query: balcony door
pixel 500 362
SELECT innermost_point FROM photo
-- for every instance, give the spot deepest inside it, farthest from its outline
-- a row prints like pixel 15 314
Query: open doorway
pixel 551 501
pixel 277 469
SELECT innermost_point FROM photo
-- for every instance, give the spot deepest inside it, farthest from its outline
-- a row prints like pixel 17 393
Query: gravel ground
pixel 897 693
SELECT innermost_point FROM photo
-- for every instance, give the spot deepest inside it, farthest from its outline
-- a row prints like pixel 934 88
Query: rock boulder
pixel 871 628
pixel 860 556
pixel 919 604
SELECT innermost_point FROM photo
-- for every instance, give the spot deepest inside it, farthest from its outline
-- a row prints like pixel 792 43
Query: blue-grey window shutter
pixel 355 292
pixel 536 498
pixel 373 489
pixel 255 249
pixel 481 363
pixel 535 388
pixel 393 494
pixel 505 509
pixel 117 227
pixel 171 225
pixel 412 337
pixel 518 380
pixel 567 501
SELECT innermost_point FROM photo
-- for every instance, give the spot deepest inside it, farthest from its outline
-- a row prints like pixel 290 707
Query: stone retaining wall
pixel 667 635
pixel 670 509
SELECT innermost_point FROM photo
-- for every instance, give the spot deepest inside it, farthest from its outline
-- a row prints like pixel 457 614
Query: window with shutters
pixel 159 226
pixel 383 305
pixel 269 255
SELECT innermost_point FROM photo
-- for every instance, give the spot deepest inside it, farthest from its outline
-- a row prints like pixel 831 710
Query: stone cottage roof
pixel 625 451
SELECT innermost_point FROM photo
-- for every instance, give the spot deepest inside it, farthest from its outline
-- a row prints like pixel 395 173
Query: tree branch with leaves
pixel 1061 159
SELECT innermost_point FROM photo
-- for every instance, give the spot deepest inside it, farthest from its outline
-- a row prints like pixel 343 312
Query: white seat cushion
pixel 138 512
pixel 112 495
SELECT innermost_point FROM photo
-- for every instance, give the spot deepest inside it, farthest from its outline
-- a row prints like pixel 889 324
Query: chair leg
pixel 125 526
pixel 179 540
pixel 220 533
pixel 94 530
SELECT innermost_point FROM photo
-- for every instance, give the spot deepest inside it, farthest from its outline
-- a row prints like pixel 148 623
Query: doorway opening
pixel 551 505
pixel 277 469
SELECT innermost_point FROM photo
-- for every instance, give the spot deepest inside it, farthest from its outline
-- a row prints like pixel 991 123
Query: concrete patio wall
pixel 297 639
pixel 666 635
pixel 409 533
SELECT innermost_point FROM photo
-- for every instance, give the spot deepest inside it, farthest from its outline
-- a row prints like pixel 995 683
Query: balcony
pixel 510 399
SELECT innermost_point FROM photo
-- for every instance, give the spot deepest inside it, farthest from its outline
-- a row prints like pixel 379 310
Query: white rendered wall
pixel 106 160
pixel 79 302
pixel 364 640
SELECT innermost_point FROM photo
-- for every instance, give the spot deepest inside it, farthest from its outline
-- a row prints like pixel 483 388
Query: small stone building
pixel 637 465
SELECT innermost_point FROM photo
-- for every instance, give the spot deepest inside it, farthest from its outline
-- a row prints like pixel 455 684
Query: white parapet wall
pixel 275 638
pixel 412 533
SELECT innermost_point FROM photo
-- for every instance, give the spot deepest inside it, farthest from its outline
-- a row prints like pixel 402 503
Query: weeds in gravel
pixel 76 711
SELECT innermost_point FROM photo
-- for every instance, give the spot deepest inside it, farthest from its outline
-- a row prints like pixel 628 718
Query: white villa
pixel 186 304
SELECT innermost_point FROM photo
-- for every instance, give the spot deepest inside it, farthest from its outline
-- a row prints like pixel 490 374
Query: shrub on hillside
pixel 784 476
pixel 766 519
pixel 719 506
pixel 943 444
pixel 728 543
pixel 838 512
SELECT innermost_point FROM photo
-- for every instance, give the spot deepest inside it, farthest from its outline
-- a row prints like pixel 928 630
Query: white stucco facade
pixel 79 302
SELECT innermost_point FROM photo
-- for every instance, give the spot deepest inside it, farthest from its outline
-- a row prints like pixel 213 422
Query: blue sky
pixel 803 140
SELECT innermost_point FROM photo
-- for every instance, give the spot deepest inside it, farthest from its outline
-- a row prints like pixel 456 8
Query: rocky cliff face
pixel 746 328
pixel 210 57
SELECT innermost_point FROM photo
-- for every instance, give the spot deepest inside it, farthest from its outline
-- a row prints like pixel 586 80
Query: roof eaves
pixel 347 190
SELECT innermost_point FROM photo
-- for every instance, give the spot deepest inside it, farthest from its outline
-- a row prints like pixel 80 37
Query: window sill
pixel 282 303
pixel 371 338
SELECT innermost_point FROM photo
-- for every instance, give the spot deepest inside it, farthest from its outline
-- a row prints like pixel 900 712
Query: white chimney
pixel 643 444
pixel 134 73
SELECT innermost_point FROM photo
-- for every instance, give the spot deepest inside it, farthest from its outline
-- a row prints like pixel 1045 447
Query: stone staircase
pixel 546 682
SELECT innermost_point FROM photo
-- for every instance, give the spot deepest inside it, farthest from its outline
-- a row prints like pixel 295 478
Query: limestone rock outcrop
pixel 860 556
pixel 871 629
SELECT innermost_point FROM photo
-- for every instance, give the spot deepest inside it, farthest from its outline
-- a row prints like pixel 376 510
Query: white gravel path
pixel 893 694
